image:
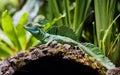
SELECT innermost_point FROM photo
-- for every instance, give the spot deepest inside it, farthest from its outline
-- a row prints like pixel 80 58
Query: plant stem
pixel 67 10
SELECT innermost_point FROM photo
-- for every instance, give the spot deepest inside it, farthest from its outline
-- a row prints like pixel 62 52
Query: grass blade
pixel 80 15
pixel 67 10
pixel 109 28
pixel 114 52
pixel 104 15
pixel 54 12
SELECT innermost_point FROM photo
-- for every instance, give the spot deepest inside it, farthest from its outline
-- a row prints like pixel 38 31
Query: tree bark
pixel 54 59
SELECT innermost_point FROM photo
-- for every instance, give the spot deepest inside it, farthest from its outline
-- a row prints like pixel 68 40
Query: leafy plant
pixel 13 36
pixel 106 28
pixel 67 14
pixel 80 15
pixel 13 39
pixel 89 48
pixel 11 5
pixel 75 19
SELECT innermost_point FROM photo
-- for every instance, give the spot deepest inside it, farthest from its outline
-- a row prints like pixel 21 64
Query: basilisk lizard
pixel 36 30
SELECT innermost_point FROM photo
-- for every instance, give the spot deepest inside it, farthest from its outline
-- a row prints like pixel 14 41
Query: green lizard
pixel 44 37
pixel 36 30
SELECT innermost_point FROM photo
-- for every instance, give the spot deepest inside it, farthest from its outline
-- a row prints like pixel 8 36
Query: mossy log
pixel 52 59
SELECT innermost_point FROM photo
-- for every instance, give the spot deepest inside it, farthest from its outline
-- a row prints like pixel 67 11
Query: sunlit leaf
pixel 21 31
pixel 9 29
pixel 4 38
pixel 32 41
pixel 5 50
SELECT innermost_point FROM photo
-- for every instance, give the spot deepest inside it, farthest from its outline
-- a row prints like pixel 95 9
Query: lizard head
pixel 33 28
pixel 36 30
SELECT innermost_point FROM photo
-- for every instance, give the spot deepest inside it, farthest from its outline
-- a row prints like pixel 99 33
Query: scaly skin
pixel 36 31
pixel 44 37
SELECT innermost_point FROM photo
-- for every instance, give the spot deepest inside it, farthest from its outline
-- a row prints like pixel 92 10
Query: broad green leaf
pixel 63 31
pixel 9 29
pixel 32 41
pixel 21 31
pixel 5 50
pixel 4 38
pixel 23 19
pixel 97 53
pixel 3 53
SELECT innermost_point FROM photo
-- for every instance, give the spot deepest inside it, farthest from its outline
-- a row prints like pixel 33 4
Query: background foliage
pixel 93 21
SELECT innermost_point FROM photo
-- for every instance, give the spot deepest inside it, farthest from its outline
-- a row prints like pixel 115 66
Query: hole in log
pixel 54 65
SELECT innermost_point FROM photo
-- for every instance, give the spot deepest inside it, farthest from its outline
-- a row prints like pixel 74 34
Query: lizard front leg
pixel 49 42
